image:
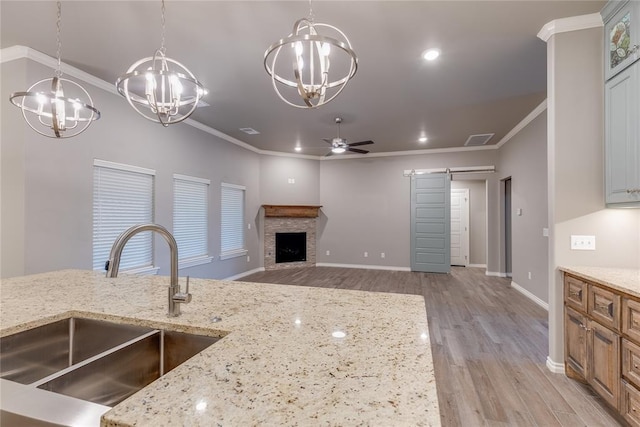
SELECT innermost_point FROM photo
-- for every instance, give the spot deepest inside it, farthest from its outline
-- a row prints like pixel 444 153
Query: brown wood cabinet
pixel 602 343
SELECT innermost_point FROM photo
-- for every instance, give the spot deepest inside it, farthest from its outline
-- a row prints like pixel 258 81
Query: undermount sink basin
pixel 83 367
pixel 36 353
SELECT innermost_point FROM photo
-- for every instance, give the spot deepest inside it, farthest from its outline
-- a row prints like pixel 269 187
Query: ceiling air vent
pixel 480 139
pixel 250 131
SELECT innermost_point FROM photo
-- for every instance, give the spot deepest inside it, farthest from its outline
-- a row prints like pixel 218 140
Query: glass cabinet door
pixel 622 39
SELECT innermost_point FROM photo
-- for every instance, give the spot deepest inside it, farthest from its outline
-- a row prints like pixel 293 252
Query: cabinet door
pixel 575 343
pixel 622 155
pixel 622 36
pixel 603 370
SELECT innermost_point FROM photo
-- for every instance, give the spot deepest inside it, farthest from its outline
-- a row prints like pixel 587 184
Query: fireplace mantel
pixel 291 211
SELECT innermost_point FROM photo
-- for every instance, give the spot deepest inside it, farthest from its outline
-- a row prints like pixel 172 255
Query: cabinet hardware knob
pixel 635 366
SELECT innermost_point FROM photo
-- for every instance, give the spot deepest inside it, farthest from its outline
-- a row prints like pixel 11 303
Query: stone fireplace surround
pixel 289 219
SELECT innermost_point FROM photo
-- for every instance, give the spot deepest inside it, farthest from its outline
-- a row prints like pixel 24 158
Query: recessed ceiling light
pixel 431 54
pixel 423 139
pixel 298 148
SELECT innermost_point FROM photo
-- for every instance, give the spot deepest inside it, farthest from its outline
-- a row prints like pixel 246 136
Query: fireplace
pixel 296 221
pixel 291 247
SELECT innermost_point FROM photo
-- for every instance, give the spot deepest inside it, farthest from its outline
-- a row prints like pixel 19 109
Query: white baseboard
pixel 495 274
pixel 246 273
pixel 362 266
pixel 555 367
pixel 529 295
pixel 477 265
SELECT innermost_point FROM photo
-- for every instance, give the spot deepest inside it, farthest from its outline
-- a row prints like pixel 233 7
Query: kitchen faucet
pixel 176 297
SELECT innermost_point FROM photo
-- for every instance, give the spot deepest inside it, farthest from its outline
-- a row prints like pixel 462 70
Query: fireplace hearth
pixel 297 221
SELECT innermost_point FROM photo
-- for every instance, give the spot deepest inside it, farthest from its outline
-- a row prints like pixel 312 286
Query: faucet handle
pixel 183 297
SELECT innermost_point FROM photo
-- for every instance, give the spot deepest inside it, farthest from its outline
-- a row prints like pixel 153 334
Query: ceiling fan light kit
pixel 340 145
pixel 299 64
pixel 159 88
pixel 52 110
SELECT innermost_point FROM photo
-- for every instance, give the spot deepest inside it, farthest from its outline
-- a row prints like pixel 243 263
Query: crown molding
pixel 574 23
pixel 530 117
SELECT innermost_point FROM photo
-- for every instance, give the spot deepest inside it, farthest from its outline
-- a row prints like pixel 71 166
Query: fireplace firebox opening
pixel 291 247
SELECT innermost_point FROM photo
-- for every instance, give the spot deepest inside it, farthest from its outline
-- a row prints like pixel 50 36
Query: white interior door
pixel 460 226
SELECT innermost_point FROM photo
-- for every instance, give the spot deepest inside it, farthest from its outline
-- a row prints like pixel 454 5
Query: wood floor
pixel 489 346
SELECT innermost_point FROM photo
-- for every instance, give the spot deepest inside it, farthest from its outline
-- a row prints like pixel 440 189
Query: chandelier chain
pixel 162 48
pixel 58 41
pixel 311 14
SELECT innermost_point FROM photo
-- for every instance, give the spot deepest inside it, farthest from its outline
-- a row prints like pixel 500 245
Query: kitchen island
pixel 278 362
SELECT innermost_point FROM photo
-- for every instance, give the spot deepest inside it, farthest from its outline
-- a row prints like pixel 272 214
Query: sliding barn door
pixel 431 223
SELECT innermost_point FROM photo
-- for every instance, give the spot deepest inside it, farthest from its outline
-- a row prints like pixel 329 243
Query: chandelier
pixel 159 88
pixel 300 63
pixel 54 111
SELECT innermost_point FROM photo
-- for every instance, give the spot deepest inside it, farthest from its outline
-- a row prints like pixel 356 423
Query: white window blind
pixel 122 197
pixel 232 221
pixel 190 218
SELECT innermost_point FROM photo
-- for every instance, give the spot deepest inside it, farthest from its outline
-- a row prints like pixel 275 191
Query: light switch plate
pixel 583 243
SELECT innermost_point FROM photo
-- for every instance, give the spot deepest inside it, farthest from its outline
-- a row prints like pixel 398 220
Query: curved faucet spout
pixel 175 296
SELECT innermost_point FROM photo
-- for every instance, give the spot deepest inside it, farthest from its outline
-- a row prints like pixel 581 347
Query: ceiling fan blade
pixel 327 140
pixel 356 150
pixel 330 153
pixel 355 144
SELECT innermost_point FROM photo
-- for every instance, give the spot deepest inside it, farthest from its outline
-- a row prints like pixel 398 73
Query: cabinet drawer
pixel 575 292
pixel 631 319
pixel 630 403
pixel 631 362
pixel 604 306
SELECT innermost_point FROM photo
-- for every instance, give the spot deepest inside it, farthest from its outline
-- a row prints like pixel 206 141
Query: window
pixel 190 216
pixel 232 221
pixel 122 197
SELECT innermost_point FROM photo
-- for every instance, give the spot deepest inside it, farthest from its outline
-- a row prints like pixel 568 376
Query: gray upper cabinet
pixel 622 104
pixel 622 35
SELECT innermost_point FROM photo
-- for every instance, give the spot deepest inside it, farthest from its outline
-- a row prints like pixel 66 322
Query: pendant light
pixel 159 88
pixel 53 110
pixel 299 64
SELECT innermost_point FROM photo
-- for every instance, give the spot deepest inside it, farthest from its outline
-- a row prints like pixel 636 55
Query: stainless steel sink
pixel 34 354
pixel 117 374
pixel 83 367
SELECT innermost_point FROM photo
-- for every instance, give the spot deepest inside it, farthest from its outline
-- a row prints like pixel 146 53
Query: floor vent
pixel 480 139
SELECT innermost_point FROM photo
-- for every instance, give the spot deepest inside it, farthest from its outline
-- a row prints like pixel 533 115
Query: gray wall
pixel 366 204
pixel 275 172
pixel 524 159
pixel 477 218
pixel 57 182
pixel 575 171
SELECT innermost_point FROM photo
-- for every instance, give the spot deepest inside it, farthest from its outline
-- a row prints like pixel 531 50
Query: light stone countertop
pixel 623 279
pixel 277 364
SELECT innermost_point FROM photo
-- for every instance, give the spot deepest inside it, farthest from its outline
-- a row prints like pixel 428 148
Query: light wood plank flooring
pixel 489 346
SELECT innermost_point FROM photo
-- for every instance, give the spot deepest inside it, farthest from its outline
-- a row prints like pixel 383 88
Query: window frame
pixel 202 258
pixel 125 168
pixel 237 251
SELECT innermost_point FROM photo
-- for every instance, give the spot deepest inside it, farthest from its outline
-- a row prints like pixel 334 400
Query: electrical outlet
pixel 583 243
pixel 529 275
pixel 248 258
pixel 328 253
pixel 382 255
pixel 249 226
pixel 366 254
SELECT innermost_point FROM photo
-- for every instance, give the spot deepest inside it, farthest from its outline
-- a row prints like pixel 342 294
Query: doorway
pixel 507 226
pixel 460 226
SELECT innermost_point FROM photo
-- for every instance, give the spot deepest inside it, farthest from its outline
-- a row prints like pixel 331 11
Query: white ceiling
pixel 491 74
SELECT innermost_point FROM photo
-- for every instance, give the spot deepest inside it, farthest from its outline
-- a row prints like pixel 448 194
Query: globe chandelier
pixel 52 110
pixel 300 64
pixel 159 88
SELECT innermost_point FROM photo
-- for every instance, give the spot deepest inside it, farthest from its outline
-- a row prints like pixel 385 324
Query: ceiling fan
pixel 340 145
